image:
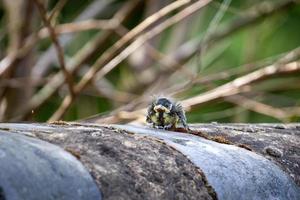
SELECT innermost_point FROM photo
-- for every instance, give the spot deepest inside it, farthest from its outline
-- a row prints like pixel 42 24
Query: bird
pixel 166 114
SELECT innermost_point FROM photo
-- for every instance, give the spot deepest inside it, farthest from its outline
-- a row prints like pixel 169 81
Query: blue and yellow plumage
pixel 165 114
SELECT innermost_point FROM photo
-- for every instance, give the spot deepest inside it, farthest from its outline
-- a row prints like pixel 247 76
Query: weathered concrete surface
pixel 34 169
pixel 126 165
pixel 129 163
pixel 234 173
pixel 279 143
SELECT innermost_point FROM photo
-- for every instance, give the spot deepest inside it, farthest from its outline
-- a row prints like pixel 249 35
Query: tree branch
pixel 59 50
pixel 235 86
pixel 229 89
pixel 75 63
pixel 112 58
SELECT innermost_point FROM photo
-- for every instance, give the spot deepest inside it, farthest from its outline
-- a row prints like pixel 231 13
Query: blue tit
pixel 165 114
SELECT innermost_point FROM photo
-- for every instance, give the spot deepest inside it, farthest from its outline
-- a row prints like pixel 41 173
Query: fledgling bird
pixel 166 114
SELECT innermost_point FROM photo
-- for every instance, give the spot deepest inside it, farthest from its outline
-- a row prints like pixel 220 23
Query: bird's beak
pixel 160 108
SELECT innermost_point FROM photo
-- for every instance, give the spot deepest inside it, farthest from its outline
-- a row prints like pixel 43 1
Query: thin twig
pixel 213 26
pixel 85 53
pixel 167 63
pixel 222 92
pixel 56 10
pixel 48 57
pixel 234 87
pixel 19 82
pixel 250 17
pixel 19 15
pixel 59 50
pixel 259 107
pixel 32 40
pixel 190 48
pixel 223 75
pixel 231 88
pixel 220 5
pixel 108 91
pixel 111 57
pixel 29 43
pixel 80 26
pixel 221 114
pixel 7 62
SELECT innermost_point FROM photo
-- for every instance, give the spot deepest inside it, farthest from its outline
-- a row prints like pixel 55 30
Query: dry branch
pixel 84 54
pixel 59 50
pixel 190 48
pixel 19 26
pixel 259 107
pixel 30 41
pixel 56 10
pixel 250 17
pixel 186 51
pixel 231 88
pixel 80 26
pixel 181 55
pixel 111 58
pixel 261 14
pixel 236 86
pixel 49 57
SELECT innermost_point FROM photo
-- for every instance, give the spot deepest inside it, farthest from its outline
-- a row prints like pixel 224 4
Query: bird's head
pixel 163 105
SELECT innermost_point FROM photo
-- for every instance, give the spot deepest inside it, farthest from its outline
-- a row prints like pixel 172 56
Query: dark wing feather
pixel 181 114
pixel 150 112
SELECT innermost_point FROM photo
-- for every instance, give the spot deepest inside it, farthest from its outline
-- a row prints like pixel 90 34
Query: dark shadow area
pixel 2 196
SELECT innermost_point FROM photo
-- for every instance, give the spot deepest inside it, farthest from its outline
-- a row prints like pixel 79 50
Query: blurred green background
pixel 247 48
